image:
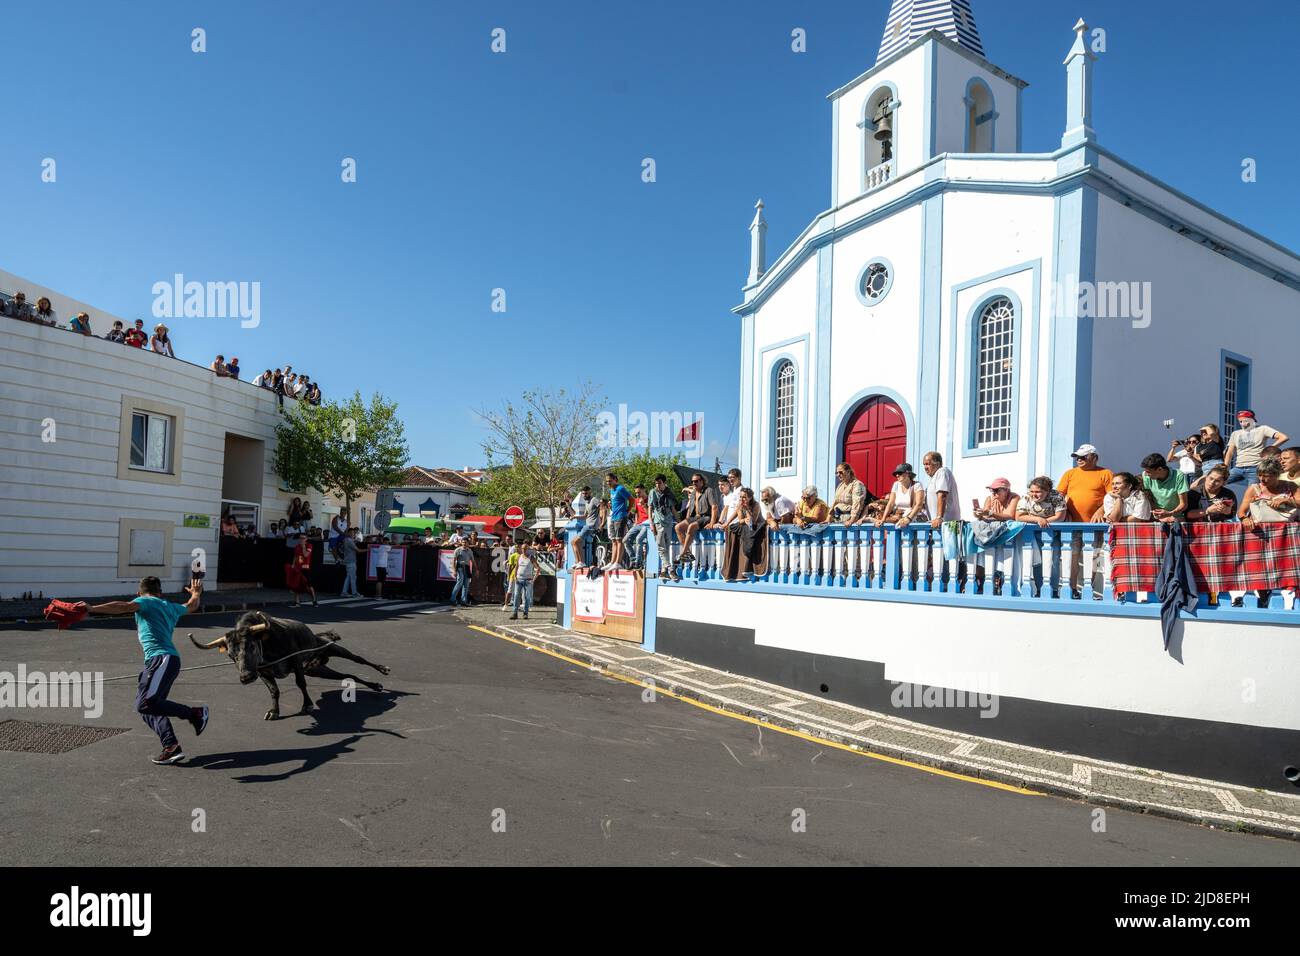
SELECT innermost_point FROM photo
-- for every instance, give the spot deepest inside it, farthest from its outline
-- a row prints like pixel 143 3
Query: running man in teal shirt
pixel 155 619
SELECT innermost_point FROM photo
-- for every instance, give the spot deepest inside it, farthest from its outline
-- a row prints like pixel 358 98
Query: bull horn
pixel 218 645
pixel 259 628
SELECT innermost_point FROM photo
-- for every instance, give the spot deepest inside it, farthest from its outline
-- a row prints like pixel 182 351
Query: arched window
pixel 880 136
pixel 995 372
pixel 980 117
pixel 783 416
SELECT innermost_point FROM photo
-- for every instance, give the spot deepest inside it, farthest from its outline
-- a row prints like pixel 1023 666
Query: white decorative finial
pixel 757 244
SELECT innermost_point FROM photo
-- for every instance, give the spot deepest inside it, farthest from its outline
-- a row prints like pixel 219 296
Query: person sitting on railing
pixel 995 526
pixel 745 554
pixel 81 324
pixel 1214 500
pixel 701 512
pixel 849 507
pixel 778 510
pixel 136 336
pixel 1042 507
pixel 811 514
pixel 634 542
pixel 906 501
pixel 1168 489
pixel 730 495
pixel 161 343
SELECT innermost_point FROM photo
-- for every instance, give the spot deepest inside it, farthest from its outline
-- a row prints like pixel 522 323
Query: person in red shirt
pixel 137 337
pixel 634 541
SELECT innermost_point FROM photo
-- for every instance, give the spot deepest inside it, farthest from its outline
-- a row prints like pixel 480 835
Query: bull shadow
pixel 332 715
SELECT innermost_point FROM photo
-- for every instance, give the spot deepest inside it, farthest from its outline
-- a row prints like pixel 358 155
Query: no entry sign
pixel 514 517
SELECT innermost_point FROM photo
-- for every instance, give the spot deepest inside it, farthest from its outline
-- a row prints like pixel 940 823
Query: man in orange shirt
pixel 1084 487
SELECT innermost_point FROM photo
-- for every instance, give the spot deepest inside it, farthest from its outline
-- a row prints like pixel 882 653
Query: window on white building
pixel 1236 392
pixel 995 361
pixel 151 442
pixel 783 456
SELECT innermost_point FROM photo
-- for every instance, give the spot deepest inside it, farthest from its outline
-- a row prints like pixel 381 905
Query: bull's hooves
pixel 271 715
pixel 385 670
pixel 377 688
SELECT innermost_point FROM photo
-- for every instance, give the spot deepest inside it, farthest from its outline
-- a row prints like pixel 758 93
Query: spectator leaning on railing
pixel 160 342
pixel 116 333
pixel 81 324
pixel 44 312
pixel 849 507
pixel 1042 506
pixel 778 510
pixel 1168 488
pixel 1084 487
pixel 136 337
pixel 906 500
pixel 1214 500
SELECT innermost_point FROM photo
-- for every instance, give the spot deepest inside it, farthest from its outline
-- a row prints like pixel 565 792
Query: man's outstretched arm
pixel 113 607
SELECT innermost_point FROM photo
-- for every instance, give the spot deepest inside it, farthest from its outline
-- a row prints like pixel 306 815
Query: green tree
pixel 640 468
pixel 341 448
pixel 544 446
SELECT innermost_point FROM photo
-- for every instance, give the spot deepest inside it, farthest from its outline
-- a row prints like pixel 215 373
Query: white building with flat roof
pixel 117 462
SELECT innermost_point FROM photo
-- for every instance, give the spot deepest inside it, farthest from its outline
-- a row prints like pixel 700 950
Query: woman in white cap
pixel 159 341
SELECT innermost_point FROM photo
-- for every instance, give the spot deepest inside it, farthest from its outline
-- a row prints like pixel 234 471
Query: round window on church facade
pixel 874 282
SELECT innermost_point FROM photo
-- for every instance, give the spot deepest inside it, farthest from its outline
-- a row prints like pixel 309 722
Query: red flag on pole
pixel 690 432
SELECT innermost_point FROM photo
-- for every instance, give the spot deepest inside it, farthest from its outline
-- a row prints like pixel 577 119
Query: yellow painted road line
pixel 759 723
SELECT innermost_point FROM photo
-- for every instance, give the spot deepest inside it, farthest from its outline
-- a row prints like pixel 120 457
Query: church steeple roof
pixel 911 19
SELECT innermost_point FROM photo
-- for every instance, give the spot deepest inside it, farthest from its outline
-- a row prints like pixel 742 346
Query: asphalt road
pixel 483 752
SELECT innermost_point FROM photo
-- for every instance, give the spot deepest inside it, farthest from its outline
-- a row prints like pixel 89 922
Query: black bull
pixel 271 647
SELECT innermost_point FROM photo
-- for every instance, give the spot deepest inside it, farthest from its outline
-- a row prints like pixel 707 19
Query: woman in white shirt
pixel 1127 501
pixel 906 501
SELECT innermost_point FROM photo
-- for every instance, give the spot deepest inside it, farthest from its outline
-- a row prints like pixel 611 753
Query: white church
pixel 996 305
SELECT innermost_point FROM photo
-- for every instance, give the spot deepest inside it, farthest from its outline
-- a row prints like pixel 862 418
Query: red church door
pixel 875 443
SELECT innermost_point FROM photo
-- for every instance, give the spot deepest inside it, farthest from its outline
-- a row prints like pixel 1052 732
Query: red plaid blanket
pixel 1223 556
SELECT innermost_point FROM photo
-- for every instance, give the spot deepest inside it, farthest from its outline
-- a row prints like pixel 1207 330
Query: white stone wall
pixel 1201 303
pixel 1054 658
pixel 61 502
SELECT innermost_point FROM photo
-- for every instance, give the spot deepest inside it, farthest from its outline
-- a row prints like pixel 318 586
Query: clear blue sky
pixel 522 171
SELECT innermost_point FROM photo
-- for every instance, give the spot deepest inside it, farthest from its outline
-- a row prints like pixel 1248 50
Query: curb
pixel 948 764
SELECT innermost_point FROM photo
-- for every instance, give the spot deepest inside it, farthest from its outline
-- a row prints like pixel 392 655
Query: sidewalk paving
pixel 1207 802
pixel 214 602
